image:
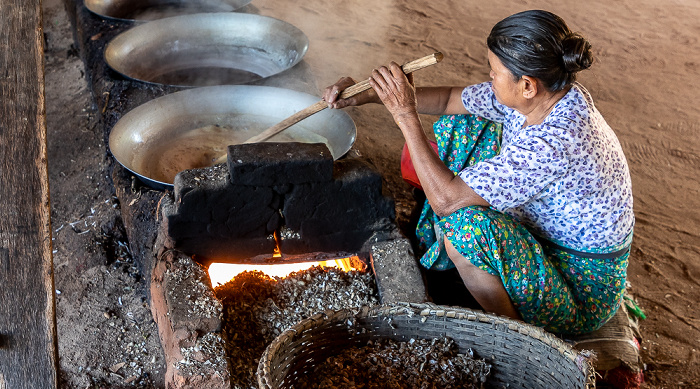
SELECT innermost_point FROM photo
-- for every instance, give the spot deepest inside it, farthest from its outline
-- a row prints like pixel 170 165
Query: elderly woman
pixel 529 196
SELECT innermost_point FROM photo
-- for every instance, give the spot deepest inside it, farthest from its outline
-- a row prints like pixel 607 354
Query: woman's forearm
pixel 446 192
pixel 440 100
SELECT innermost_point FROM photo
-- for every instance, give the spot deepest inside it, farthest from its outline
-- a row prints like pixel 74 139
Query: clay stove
pixel 231 213
pixel 331 208
pixel 318 209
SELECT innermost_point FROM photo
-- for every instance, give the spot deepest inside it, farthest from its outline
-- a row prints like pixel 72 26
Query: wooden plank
pixel 28 346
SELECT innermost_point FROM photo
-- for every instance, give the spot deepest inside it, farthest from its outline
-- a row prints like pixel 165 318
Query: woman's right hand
pixel 332 95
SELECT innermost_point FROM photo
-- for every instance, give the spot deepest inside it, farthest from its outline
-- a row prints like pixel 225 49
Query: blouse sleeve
pixel 524 169
pixel 480 100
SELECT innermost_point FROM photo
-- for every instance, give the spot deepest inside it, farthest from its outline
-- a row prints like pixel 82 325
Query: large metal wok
pixel 158 9
pixel 207 49
pixel 192 128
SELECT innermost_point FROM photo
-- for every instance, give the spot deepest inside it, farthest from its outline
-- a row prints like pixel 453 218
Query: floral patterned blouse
pixel 566 179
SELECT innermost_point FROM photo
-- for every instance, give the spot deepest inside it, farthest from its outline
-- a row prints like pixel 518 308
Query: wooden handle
pixel 350 91
pixel 288 122
pixel 407 68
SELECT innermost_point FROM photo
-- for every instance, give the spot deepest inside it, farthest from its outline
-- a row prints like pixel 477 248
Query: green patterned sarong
pixel 551 288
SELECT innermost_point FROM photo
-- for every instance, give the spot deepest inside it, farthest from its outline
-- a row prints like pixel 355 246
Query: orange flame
pixel 221 273
pixel 277 253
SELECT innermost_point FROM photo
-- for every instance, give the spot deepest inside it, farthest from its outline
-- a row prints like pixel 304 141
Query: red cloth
pixel 621 377
pixel 408 172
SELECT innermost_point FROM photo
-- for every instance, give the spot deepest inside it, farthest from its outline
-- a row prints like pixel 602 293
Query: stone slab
pixel 397 272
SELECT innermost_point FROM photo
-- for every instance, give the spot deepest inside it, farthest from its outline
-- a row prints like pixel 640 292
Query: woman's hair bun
pixel 576 53
pixel 539 44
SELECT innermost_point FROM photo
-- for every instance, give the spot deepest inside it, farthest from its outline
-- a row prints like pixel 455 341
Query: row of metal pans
pixel 215 52
pixel 132 10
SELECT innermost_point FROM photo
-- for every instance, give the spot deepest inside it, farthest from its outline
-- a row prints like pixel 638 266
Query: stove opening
pixel 221 272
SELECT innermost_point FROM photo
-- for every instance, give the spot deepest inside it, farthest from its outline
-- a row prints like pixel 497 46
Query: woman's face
pixel 504 86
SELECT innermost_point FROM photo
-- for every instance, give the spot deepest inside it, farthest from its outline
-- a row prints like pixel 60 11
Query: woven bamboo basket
pixel 521 355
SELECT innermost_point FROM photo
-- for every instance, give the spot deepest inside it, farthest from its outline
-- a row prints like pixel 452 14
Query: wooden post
pixel 28 346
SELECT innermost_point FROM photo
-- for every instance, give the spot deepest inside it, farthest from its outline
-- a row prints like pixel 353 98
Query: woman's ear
pixel 528 86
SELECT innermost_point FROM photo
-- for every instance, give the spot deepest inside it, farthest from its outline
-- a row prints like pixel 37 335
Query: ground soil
pixel 107 337
pixel 645 83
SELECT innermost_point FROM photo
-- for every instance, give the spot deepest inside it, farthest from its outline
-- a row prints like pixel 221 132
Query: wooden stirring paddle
pixel 352 90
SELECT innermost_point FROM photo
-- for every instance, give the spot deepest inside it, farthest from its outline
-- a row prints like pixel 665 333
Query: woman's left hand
pixel 395 89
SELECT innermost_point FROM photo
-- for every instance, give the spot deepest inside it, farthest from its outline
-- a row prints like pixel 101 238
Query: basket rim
pixel 427 309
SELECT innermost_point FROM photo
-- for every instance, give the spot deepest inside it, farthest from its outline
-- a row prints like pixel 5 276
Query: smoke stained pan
pixel 159 9
pixel 192 128
pixel 207 49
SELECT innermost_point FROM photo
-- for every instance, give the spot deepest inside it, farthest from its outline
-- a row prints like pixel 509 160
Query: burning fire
pixel 221 273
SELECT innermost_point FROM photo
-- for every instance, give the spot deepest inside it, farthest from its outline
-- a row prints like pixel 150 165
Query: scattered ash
pixel 198 358
pixel 257 308
pixel 190 290
pixel 425 363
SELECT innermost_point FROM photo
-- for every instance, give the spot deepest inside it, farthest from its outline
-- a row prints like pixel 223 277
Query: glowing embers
pixel 221 273
pixel 280 266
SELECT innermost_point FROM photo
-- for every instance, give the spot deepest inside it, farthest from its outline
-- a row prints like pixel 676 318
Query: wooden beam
pixel 28 346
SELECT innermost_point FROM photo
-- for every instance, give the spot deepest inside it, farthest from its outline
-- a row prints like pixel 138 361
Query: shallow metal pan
pixel 158 9
pixel 207 49
pixel 192 128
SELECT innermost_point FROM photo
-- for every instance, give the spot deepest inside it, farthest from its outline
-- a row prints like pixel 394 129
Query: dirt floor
pixel 645 83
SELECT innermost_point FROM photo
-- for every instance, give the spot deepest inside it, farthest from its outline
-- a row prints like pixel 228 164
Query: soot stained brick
pixel 216 218
pixel 353 200
pixel 269 163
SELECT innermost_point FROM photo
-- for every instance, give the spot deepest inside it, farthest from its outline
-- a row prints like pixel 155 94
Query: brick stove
pixel 319 207
pixel 231 213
